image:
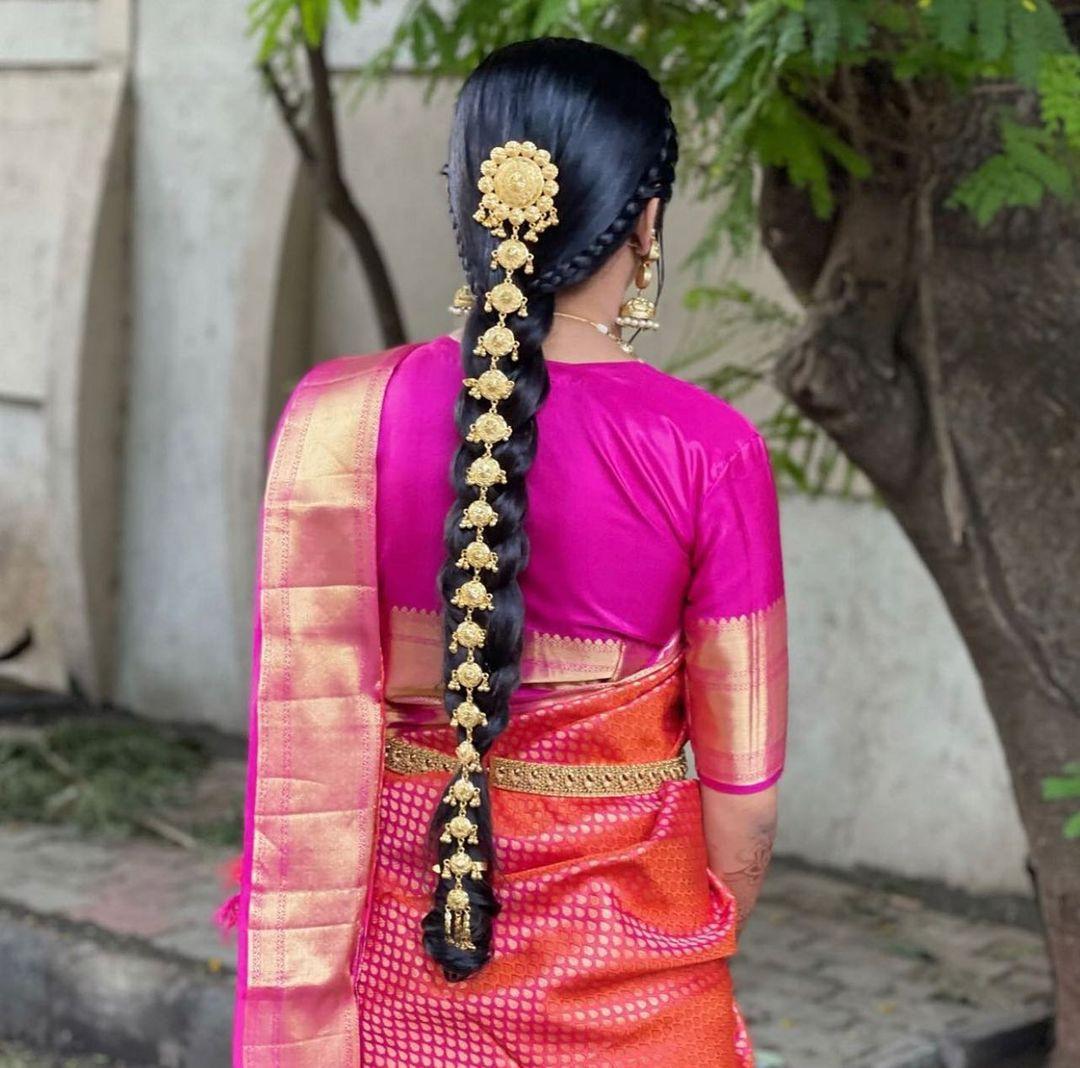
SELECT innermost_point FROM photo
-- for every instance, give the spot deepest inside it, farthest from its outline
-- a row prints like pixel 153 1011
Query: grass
pixel 16 1055
pixel 111 776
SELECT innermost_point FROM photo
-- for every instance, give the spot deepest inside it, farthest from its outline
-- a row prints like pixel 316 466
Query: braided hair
pixel 608 127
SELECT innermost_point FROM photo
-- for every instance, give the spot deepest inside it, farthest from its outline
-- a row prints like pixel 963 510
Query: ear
pixel 645 225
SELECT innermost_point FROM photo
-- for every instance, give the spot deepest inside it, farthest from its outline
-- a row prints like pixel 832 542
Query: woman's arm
pixel 739 833
pixel 735 626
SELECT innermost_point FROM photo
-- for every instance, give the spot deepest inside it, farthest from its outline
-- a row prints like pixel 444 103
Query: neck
pixel 600 311
pixel 597 300
pixel 602 295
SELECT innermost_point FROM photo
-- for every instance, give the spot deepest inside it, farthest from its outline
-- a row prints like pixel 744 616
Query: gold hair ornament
pixel 517 186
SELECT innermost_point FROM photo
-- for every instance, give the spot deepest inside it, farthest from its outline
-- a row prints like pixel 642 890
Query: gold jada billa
pixel 518 187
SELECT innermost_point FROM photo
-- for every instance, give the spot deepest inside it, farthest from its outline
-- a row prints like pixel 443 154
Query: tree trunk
pixel 343 207
pixel 320 151
pixel 945 361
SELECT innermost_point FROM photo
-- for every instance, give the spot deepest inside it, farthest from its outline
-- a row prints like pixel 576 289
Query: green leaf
pixel 953 18
pixel 313 19
pixel 1027 170
pixel 1060 788
pixel 418 39
pixel 991 27
pixel 1071 830
pixel 266 20
pixel 894 18
pixel 1028 147
pixel 745 79
pixel 1059 92
pixel 1035 34
pixel 792 37
pixel 786 466
pixel 854 24
pixel 823 18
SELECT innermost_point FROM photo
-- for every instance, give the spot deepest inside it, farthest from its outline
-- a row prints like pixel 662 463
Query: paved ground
pixel 830 974
pixel 139 887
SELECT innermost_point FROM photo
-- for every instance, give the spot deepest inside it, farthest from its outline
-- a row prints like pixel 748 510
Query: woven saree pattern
pixel 613 939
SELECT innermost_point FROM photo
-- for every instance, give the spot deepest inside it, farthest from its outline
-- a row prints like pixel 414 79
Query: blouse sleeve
pixel 735 629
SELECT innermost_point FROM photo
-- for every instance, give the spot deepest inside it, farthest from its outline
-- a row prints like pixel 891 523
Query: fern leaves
pixel 1059 92
pixel 755 81
pixel 1027 170
pixel 1035 161
pixel 790 49
pixel 992 28
pixel 836 27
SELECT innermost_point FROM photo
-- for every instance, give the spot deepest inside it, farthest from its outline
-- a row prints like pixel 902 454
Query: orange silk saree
pixel 613 941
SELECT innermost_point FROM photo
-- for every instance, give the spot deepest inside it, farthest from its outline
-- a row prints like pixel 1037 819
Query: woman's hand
pixel 739 834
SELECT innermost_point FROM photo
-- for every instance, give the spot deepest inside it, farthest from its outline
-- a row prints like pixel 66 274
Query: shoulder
pixel 341 375
pixel 706 424
pixel 342 369
pixel 332 386
pixel 704 414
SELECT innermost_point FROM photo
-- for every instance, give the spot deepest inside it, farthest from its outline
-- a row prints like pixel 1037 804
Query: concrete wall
pixel 63 285
pixel 201 126
pixel 237 286
pixel 894 762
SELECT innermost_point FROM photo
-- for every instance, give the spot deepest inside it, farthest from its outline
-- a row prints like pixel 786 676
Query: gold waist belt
pixel 535 777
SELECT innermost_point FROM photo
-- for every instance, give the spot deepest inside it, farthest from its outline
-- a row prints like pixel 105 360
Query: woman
pixel 470 837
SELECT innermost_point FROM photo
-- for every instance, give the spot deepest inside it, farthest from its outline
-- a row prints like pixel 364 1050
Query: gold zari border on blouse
pixel 535 777
pixel 415 656
pixel 737 695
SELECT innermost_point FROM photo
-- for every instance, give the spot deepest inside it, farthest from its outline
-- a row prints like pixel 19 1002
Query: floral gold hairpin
pixel 518 185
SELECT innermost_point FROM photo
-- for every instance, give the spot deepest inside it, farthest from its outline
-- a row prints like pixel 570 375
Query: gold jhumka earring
pixel 639 312
pixel 462 302
pixel 518 185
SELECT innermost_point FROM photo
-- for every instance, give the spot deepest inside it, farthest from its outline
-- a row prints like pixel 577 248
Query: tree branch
pixel 843 367
pixel 796 239
pixel 342 206
pixel 953 498
pixel 289 111
pixel 861 133
pixel 78 784
pixel 828 371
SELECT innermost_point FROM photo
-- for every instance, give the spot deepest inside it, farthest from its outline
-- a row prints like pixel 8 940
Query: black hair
pixel 609 130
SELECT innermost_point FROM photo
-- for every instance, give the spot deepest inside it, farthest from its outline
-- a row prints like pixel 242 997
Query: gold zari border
pixel 415 656
pixel 737 696
pixel 312 816
pixel 534 777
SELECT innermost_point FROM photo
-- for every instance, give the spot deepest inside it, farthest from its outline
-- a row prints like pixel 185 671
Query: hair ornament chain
pixel 518 187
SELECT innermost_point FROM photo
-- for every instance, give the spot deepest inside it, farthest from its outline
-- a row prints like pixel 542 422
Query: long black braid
pixel 609 129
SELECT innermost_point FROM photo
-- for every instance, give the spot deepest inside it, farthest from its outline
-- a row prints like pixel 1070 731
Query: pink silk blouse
pixel 652 520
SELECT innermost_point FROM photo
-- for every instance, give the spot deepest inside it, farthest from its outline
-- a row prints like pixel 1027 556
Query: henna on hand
pixel 745 881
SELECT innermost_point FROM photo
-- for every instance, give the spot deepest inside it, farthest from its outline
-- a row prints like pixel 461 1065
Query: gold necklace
pixel 600 328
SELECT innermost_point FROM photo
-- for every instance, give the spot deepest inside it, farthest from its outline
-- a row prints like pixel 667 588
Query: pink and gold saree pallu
pixel 612 944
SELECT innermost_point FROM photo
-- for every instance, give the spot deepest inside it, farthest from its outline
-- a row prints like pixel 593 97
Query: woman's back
pixel 651 506
pixel 476 842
